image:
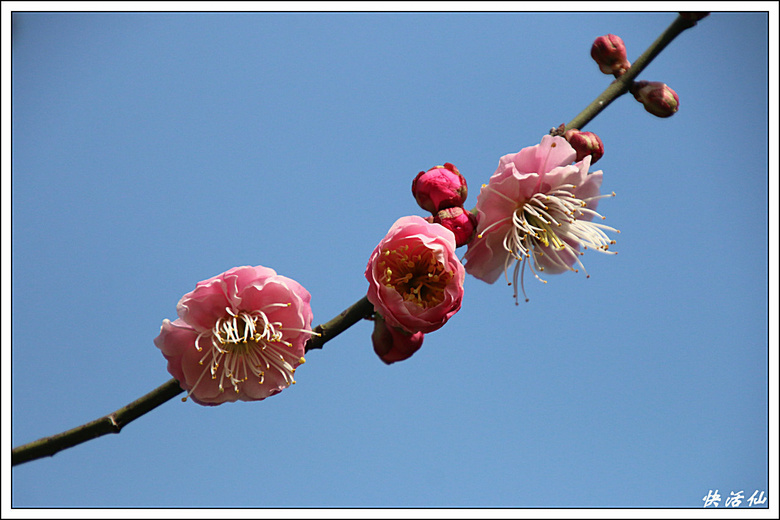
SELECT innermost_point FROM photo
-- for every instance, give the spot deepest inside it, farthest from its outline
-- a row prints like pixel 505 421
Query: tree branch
pixel 111 423
pixel 621 85
pixel 114 422
pixel 329 330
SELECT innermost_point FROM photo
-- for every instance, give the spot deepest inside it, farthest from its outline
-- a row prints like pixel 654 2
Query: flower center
pixel 243 345
pixel 417 275
pixel 555 220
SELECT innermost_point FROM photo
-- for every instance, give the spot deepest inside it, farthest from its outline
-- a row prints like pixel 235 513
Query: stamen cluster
pixel 417 276
pixel 247 343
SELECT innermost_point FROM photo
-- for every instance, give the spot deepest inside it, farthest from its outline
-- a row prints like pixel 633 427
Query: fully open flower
pixel 239 336
pixel 415 278
pixel 537 204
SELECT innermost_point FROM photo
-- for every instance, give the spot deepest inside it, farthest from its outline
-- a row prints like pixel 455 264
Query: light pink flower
pixel 392 344
pixel 537 203
pixel 415 278
pixel 243 331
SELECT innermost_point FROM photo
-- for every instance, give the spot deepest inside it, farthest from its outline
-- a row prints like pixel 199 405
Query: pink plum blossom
pixel 392 344
pixel 415 278
pixel 537 204
pixel 243 331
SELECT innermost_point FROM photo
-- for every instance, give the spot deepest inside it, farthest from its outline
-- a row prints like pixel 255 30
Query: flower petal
pixel 176 337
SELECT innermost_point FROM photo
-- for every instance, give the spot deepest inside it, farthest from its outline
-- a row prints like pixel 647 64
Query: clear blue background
pixel 152 151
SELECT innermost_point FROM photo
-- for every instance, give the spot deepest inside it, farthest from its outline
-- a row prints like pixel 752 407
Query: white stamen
pixel 552 225
pixel 246 344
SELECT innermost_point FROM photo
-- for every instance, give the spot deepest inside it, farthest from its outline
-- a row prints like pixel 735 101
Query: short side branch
pixel 329 330
pixel 621 85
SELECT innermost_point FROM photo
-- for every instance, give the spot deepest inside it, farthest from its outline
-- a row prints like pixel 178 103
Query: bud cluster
pixel 442 191
pixel 609 52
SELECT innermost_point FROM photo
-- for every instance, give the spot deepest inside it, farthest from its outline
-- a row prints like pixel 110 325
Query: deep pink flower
pixel 243 331
pixel 392 344
pixel 440 187
pixel 415 278
pixel 657 98
pixel 537 203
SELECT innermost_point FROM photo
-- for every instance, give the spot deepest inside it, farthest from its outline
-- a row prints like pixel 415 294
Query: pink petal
pixel 176 338
pixel 202 307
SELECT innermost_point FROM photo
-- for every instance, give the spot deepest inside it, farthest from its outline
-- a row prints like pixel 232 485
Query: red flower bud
pixel 439 188
pixel 609 52
pixel 657 97
pixel 392 344
pixel 461 222
pixel 585 143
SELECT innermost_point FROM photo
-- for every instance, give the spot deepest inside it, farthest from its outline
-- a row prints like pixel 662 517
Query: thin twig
pixel 621 85
pixel 329 330
pixel 111 423
pixel 114 422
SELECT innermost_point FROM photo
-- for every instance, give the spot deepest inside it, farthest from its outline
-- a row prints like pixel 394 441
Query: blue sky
pixel 155 150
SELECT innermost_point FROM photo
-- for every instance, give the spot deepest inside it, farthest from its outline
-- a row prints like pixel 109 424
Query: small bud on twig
pixel 609 52
pixel 461 222
pixel 585 143
pixel 657 97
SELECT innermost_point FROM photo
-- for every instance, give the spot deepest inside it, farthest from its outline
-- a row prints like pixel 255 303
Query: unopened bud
pixel 657 97
pixel 439 188
pixel 461 222
pixel 585 143
pixel 609 52
pixel 392 344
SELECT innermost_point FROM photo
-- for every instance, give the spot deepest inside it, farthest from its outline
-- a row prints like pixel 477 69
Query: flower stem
pixel 621 85
pixel 111 423
pixel 329 330
pixel 114 422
